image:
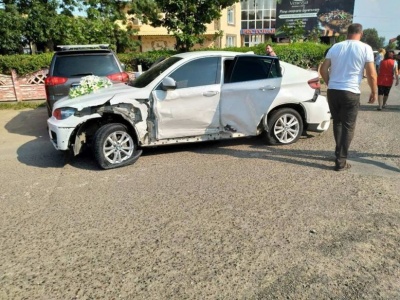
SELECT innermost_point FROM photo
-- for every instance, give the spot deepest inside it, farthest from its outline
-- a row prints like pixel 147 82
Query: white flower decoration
pixel 89 84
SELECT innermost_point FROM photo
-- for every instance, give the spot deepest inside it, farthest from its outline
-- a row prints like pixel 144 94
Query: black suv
pixel 72 62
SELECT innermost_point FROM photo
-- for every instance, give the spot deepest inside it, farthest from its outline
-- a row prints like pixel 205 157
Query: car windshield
pixel 71 66
pixel 151 74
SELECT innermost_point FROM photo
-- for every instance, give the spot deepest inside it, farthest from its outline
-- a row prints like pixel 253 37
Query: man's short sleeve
pixel 370 54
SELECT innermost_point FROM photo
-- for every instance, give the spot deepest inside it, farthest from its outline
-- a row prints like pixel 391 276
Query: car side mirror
pixel 168 83
pixel 123 66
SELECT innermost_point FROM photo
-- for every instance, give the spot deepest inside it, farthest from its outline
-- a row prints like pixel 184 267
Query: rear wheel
pixel 285 127
pixel 114 146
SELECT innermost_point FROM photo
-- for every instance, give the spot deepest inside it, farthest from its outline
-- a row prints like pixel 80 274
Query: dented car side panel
pixel 187 112
pixel 244 104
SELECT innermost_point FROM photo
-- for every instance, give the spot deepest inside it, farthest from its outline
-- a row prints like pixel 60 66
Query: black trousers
pixel 344 107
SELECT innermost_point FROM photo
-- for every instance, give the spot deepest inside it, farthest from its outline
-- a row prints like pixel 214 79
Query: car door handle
pixel 210 93
pixel 268 87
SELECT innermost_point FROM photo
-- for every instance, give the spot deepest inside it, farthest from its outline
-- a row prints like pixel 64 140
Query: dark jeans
pixel 344 109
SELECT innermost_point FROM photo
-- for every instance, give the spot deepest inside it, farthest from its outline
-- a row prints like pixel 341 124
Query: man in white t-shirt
pixel 342 70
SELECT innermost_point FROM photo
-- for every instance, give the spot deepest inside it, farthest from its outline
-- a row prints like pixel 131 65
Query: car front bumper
pixel 59 134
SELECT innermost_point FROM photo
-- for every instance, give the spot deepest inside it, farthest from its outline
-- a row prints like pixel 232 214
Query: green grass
pixel 22 105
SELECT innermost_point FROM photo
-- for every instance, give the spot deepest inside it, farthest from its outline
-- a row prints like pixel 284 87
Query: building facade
pixel 258 21
pixel 251 22
pixel 157 38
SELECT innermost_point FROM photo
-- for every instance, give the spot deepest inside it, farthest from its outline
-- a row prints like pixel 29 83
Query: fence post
pixel 17 88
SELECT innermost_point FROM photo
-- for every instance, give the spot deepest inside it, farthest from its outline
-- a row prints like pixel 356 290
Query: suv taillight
pixel 54 80
pixel 314 83
pixel 121 76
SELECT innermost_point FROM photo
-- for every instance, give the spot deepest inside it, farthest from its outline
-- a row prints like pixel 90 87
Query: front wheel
pixel 114 146
pixel 285 127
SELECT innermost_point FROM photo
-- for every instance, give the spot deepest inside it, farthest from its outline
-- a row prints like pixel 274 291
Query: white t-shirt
pixel 348 59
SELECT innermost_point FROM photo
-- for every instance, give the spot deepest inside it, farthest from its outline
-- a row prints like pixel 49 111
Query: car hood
pixel 115 93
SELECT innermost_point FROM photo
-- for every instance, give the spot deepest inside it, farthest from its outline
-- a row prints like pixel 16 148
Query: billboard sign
pixel 330 17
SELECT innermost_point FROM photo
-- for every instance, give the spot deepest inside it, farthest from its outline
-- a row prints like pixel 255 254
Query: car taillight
pixel 54 80
pixel 314 83
pixel 121 76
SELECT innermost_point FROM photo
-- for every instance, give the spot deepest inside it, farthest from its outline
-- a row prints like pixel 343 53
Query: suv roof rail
pixel 78 47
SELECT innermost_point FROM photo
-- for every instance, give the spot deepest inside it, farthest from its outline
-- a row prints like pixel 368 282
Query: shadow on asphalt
pixel 373 107
pixel 41 153
pixel 29 122
pixel 308 158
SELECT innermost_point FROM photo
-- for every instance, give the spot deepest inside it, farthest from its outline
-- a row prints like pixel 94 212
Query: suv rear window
pixel 90 64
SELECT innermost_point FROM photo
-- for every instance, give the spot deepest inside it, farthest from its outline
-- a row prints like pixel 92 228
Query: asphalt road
pixel 227 220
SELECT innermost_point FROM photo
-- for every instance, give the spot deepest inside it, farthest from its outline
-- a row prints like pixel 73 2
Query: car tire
pixel 114 146
pixel 285 126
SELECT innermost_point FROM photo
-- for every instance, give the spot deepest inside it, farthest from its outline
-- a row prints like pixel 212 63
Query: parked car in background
pixel 192 97
pixel 72 62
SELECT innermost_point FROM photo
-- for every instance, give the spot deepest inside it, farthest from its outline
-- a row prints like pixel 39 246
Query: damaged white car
pixel 192 97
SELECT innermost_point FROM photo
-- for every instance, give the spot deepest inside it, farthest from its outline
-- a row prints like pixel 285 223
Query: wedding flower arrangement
pixel 89 84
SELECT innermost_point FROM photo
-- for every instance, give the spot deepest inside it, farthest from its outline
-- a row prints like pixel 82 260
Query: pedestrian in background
pixel 387 70
pixel 269 51
pixel 342 70
pixel 379 57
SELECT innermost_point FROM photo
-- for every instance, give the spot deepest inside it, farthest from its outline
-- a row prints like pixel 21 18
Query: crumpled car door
pixel 192 108
pixel 248 92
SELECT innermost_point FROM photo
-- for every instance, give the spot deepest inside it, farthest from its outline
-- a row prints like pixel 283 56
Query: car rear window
pixel 71 66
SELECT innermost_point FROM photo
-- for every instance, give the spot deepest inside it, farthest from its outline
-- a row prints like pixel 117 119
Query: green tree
pixel 39 19
pixel 314 35
pixel 47 23
pixel 370 36
pixel 11 31
pixel 105 9
pixel 185 19
pixel 391 46
pixel 40 26
pixel 113 15
pixel 294 32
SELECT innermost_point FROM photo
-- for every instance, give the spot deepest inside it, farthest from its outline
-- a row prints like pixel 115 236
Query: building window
pixel 258 14
pixel 253 40
pixel 231 16
pixel 230 41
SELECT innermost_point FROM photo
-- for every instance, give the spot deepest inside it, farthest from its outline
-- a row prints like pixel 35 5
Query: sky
pixel 383 15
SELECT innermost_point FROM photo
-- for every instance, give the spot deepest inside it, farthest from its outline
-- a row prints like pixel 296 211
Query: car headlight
pixel 64 113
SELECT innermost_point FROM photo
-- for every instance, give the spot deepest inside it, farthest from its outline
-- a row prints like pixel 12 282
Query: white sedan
pixel 192 97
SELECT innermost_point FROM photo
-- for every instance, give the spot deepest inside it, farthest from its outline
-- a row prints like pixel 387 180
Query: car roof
pixel 195 54
pixel 85 51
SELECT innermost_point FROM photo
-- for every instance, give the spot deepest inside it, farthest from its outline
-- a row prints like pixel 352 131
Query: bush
pixel 25 63
pixel 305 55
pixel 145 59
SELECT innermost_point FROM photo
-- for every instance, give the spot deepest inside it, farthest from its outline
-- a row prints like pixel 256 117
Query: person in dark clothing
pixel 342 70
